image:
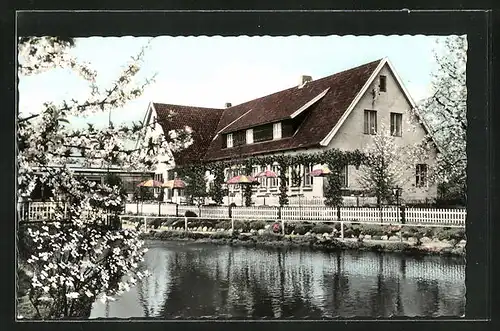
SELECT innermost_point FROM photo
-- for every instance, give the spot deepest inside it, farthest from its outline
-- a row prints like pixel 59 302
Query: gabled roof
pixel 325 104
pixel 203 122
pixel 341 90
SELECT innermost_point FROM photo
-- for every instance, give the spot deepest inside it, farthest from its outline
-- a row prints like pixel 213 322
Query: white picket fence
pixel 444 217
pixel 387 214
pixel 309 213
pixel 268 213
pixel 430 215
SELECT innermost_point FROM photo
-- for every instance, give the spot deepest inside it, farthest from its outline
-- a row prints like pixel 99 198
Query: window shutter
pixel 277 130
pixel 367 127
pixel 393 124
pixel 250 136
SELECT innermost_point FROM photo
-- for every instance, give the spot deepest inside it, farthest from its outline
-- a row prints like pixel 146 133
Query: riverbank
pixel 324 242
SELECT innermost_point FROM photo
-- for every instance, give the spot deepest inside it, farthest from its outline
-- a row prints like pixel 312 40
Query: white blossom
pixel 73 255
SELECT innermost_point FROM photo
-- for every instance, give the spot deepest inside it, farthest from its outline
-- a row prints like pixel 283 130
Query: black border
pixel 476 24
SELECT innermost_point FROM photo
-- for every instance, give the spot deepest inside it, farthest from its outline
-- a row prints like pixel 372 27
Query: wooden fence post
pixel 176 209
pixel 342 229
pixel 403 215
pixel 283 226
pixel 145 224
pixel 185 223
pixel 232 225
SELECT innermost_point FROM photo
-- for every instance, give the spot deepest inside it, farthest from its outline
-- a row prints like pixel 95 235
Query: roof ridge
pixel 185 106
pixel 314 80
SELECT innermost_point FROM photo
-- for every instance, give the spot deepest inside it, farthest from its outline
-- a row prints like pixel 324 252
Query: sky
pixel 210 71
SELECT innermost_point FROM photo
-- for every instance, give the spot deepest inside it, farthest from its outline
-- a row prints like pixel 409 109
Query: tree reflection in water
pixel 205 281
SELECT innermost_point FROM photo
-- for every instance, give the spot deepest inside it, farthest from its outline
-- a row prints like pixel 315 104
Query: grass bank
pixel 324 242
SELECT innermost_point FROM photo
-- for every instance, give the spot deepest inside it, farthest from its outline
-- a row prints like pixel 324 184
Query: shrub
pixel 322 228
pixel 371 229
pixel 257 224
pixel 449 234
pixel 220 235
pixel 356 229
pixel 190 213
pixel 348 233
pixel 244 226
pixel 223 224
pixel 303 228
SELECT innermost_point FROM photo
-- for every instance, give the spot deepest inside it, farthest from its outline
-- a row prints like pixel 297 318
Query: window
pixel 370 122
pixel 274 182
pixel 383 83
pixel 229 140
pixel 158 177
pixel 239 138
pixel 277 130
pixel 263 133
pixel 250 136
pixel 344 176
pixel 396 124
pixel 421 175
pixel 308 179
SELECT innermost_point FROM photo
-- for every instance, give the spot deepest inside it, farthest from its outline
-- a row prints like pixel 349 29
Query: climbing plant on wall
pixel 334 159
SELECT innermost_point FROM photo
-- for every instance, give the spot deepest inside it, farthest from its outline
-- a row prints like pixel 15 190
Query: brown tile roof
pixel 203 121
pixel 344 86
pixel 323 116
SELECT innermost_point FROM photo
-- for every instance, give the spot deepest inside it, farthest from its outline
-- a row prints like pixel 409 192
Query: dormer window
pixel 383 83
pixel 239 138
pixel 263 133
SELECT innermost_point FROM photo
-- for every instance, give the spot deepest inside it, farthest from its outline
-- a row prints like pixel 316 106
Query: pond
pixel 198 280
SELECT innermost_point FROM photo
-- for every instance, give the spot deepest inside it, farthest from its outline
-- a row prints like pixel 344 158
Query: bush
pixel 243 226
pixel 190 213
pixel 371 229
pixel 223 224
pixel 449 234
pixel 321 228
pixel 348 233
pixel 209 223
pixel 257 224
pixel 220 235
pixel 302 228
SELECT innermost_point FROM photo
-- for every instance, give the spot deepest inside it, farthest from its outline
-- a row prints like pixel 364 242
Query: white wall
pixel 350 135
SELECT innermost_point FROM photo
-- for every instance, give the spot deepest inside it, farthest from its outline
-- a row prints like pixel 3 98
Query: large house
pixel 341 111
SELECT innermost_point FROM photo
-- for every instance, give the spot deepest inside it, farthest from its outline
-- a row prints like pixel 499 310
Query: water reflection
pixel 204 281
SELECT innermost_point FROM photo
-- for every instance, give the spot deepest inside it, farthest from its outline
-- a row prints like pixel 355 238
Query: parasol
pixel 150 183
pixel 242 180
pixel 266 174
pixel 322 172
pixel 175 184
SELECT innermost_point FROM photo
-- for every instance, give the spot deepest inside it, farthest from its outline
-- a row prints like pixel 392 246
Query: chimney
pixel 228 104
pixel 303 80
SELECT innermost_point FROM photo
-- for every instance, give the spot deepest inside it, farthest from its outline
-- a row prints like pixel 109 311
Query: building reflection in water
pixel 205 281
